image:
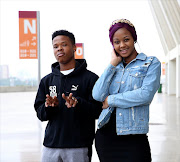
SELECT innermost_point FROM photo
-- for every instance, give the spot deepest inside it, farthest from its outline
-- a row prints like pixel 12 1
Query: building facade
pixel 166 15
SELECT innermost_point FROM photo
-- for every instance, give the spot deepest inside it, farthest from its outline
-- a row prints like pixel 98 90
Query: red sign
pixel 79 54
pixel 28 35
pixel 163 68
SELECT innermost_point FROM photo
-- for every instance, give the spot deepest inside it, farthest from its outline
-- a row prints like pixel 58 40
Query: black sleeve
pixel 43 113
pixel 90 106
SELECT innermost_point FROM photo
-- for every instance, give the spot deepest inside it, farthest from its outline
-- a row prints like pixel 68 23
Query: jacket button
pixel 122 82
pixel 121 131
pixel 120 114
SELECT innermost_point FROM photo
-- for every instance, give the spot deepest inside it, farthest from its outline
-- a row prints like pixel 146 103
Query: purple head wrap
pixel 122 23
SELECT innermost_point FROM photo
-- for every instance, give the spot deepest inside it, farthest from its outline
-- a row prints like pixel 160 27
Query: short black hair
pixel 65 33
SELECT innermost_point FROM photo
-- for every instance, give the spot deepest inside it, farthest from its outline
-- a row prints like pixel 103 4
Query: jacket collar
pixel 141 56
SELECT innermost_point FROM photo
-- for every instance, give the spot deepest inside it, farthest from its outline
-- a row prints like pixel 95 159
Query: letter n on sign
pixel 28 41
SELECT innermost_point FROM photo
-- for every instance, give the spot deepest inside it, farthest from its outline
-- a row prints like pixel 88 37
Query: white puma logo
pixel 74 88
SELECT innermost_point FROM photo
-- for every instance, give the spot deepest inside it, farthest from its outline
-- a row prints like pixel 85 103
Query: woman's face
pixel 123 43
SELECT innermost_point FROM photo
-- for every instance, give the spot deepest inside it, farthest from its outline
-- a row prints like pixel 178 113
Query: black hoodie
pixel 68 127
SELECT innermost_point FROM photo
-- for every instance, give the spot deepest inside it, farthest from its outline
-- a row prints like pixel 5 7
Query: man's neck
pixel 68 66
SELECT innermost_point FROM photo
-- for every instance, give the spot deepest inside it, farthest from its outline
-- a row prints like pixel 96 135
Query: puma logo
pixel 74 88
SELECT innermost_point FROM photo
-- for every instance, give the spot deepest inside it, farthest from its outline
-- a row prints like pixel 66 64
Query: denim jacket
pixel 130 91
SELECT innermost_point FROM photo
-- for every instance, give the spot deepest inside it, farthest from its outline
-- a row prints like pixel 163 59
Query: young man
pixel 64 99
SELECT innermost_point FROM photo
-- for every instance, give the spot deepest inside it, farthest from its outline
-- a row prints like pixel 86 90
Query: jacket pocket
pixel 141 116
pixel 136 76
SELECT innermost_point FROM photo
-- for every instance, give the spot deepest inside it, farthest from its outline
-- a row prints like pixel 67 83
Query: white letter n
pixel 28 25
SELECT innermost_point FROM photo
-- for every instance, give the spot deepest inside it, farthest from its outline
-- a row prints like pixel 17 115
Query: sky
pixel 88 20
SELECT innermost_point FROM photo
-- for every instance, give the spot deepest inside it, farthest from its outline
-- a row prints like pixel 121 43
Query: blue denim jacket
pixel 130 91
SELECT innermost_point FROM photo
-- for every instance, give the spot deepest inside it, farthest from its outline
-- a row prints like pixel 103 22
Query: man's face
pixel 63 49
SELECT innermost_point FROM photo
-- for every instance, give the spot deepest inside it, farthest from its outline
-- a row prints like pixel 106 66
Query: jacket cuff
pixel 110 68
pixel 111 102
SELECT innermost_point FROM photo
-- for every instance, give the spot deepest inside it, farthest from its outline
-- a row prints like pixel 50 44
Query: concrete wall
pixel 167 18
pixel 17 89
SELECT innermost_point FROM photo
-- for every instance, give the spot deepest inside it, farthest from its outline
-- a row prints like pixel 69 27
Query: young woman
pixel 126 89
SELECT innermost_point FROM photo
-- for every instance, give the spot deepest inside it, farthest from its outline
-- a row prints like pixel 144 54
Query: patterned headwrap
pixel 122 23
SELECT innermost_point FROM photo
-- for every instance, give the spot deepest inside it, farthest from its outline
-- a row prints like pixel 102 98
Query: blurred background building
pixel 4 71
pixel 166 15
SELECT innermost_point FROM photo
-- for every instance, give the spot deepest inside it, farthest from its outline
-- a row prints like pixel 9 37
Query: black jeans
pixel 111 147
pixel 126 148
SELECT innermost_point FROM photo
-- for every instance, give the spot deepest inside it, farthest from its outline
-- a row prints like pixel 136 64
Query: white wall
pixel 89 20
pixel 178 76
pixel 172 77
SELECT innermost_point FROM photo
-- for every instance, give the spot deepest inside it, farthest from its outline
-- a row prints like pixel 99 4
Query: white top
pixel 66 72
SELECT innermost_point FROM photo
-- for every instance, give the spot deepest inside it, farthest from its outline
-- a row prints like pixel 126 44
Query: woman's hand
pixel 115 58
pixel 105 103
pixel 70 100
pixel 51 101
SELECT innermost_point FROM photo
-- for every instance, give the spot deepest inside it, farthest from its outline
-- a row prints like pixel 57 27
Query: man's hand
pixel 51 101
pixel 70 100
